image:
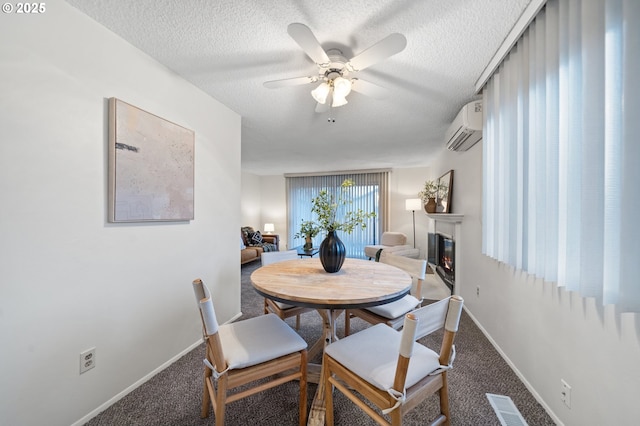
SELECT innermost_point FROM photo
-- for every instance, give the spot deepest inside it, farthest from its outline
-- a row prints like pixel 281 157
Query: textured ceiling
pixel 228 48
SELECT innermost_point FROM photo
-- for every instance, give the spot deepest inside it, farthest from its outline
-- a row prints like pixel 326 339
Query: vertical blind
pixel 369 193
pixel 561 157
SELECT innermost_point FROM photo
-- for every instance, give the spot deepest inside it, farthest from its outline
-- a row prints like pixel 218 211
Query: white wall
pixel 263 200
pixel 546 333
pixel 250 201
pixel 70 280
pixel 406 183
pixel 274 206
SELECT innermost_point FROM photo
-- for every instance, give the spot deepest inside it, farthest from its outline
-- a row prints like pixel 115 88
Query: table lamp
pixel 269 228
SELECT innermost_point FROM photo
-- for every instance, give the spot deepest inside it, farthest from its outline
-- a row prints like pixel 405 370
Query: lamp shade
pixel 413 204
pixel 269 228
pixel 320 93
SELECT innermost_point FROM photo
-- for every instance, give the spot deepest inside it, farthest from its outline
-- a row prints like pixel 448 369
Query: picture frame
pixel 445 193
pixel 151 167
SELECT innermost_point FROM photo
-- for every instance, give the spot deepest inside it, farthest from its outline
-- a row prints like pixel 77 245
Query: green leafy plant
pixel 327 204
pixel 432 189
pixel 308 228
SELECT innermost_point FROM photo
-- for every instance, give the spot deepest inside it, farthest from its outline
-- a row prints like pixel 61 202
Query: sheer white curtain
pixel 561 151
pixel 370 193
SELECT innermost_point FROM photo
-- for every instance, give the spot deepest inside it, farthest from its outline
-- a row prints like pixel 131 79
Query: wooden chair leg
pixel 347 323
pixel 208 389
pixel 303 390
pixel 396 417
pixel 221 400
pixel 297 322
pixel 444 398
pixel 206 400
pixel 328 393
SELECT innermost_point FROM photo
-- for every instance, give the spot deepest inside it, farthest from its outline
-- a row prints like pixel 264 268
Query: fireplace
pixel 442 252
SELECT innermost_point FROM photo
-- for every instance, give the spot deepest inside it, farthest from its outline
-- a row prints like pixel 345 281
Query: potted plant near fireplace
pixel 428 195
pixel 327 205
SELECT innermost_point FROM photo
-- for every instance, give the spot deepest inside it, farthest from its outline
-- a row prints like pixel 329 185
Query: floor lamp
pixel 413 204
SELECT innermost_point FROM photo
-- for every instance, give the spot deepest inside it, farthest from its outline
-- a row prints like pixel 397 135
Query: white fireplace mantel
pixel 446 217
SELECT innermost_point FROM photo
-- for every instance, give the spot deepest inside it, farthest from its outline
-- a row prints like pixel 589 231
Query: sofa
pixel 253 244
pixel 392 242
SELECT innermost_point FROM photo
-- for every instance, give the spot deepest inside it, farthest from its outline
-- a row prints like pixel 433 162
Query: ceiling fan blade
pixel 388 46
pixel 296 81
pixel 369 89
pixel 308 42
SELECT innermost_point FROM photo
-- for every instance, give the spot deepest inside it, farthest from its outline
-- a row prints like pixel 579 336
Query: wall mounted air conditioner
pixel 466 129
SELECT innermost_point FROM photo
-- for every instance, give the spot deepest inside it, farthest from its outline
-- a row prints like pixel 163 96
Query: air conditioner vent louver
pixel 460 140
pixel 466 129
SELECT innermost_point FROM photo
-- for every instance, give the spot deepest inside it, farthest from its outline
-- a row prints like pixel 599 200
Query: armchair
pixel 392 242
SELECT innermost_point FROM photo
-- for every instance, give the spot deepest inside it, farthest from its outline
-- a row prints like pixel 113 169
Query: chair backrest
pixel 208 312
pixel 443 313
pixel 417 268
pixel 202 293
pixel 420 322
pixel 214 353
pixel 200 290
pixel 393 239
pixel 269 257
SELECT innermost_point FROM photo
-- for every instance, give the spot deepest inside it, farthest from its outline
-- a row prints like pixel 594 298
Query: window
pixel 371 195
pixel 562 118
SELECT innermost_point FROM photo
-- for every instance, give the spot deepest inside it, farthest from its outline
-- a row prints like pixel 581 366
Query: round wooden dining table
pixel 304 282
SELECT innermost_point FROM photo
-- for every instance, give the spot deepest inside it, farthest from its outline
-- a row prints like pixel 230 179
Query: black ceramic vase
pixel 332 253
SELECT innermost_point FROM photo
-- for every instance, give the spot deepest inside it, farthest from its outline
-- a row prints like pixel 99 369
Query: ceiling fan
pixel 335 72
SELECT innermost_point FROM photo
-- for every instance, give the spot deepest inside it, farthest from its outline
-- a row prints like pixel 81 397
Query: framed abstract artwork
pixel 151 167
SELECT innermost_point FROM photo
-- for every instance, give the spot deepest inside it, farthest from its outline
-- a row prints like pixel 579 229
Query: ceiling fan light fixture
pixel 334 69
pixel 341 87
pixel 321 92
pixel 338 100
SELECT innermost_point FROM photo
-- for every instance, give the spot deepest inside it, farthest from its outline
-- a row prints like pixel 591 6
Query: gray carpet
pixel 173 396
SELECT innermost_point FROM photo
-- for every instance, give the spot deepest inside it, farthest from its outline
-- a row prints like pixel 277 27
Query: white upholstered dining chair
pixel 246 352
pixel 393 313
pixel 387 373
pixel 283 310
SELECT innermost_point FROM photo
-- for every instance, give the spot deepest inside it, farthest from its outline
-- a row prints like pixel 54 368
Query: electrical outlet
pixel 565 393
pixel 87 360
pixel 478 291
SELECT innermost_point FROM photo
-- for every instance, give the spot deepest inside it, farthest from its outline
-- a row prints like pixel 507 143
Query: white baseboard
pixel 135 385
pixel 144 379
pixel 515 370
pixel 234 318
